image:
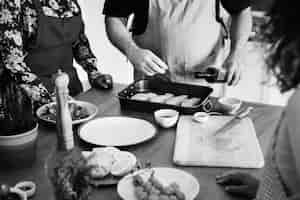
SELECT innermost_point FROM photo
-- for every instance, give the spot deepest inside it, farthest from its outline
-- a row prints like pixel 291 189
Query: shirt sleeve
pixel 117 8
pixel 293 116
pixel 84 56
pixel 12 52
pixel 235 6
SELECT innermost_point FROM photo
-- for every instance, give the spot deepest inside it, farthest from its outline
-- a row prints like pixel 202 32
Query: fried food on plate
pixel 153 189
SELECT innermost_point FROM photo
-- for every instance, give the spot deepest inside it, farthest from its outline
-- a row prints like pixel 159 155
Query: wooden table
pixel 159 150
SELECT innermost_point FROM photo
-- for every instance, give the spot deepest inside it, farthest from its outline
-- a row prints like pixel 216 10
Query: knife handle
pixel 245 113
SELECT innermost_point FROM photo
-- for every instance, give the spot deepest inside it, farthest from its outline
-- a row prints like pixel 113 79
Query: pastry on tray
pixel 191 102
pixel 161 98
pixel 177 100
pixel 167 98
pixel 143 96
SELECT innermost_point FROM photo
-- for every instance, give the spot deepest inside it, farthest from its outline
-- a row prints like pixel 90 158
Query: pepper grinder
pixel 65 166
pixel 63 116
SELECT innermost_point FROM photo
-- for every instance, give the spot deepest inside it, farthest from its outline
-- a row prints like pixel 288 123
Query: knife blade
pixel 234 121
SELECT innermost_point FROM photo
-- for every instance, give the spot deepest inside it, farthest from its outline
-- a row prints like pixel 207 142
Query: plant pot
pixel 18 151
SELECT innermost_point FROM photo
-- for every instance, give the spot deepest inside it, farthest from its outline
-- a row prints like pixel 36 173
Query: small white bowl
pixel 201 117
pixel 166 117
pixel 230 105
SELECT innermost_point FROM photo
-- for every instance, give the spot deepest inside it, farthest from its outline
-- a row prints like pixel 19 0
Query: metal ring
pixel 27 186
pixel 207 106
pixel 19 192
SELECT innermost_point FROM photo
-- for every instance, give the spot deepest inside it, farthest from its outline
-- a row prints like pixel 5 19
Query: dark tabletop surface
pixel 159 150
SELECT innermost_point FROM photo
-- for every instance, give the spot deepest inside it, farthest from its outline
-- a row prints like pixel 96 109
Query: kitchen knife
pixel 234 121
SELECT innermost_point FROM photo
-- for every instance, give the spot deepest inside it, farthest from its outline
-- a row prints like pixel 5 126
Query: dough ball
pixel 143 96
pixel 177 100
pixel 191 102
pixel 161 98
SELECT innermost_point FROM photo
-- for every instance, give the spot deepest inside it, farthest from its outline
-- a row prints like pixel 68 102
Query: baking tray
pixel 161 87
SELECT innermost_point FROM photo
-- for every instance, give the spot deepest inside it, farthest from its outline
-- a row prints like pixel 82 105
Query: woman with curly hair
pixel 38 37
pixel 281 179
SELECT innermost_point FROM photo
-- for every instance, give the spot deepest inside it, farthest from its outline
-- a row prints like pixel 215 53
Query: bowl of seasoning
pixel 166 118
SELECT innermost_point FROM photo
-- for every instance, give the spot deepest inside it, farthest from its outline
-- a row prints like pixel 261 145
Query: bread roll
pixel 151 95
pixel 102 163
pixel 177 100
pixel 109 160
pixel 161 98
pixel 140 97
pixel 190 102
pixel 125 162
pixel 110 150
pixel 143 96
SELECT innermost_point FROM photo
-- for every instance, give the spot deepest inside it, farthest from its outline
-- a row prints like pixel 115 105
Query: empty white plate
pixel 188 184
pixel 117 131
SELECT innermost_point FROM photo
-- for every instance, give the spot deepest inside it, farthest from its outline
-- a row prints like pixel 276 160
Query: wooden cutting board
pixel 196 146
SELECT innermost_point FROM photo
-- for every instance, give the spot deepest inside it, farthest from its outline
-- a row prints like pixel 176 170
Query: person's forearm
pixel 143 60
pixel 118 34
pixel 83 54
pixel 240 30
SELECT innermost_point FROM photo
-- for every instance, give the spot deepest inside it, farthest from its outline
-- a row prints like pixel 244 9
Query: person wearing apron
pixel 41 36
pixel 37 38
pixel 53 49
pixel 179 36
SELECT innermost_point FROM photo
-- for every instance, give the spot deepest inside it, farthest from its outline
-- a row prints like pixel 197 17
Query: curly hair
pixel 283 32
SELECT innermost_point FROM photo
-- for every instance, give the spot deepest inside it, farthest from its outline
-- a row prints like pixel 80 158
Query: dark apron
pixel 53 49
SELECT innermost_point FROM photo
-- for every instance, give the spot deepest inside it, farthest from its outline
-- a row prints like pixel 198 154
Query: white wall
pixel 113 62
pixel 109 58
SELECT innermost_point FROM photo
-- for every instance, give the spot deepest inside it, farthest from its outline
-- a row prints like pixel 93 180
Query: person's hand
pixel 102 81
pixel 239 183
pixel 146 61
pixel 234 70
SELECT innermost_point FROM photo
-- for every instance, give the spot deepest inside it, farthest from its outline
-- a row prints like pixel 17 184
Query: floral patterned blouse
pixel 18 25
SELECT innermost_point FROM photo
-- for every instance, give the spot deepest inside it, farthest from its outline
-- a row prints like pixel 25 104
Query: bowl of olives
pixel 81 111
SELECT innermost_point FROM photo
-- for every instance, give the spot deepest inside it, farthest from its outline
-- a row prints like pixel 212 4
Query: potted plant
pixel 18 129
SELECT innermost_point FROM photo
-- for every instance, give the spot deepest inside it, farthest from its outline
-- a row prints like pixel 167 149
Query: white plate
pixel 188 184
pixel 117 131
pixel 91 109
